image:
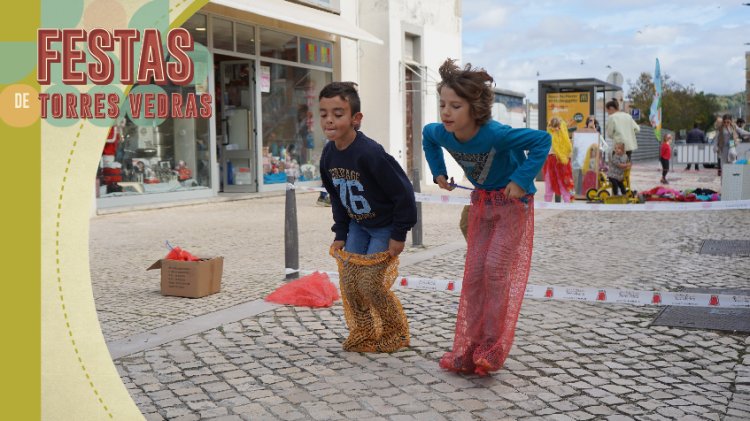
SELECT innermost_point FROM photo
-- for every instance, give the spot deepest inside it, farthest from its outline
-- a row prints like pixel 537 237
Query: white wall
pixel 438 24
pixel 349 48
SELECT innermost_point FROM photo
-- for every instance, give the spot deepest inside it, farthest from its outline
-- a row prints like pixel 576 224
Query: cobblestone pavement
pixel 570 360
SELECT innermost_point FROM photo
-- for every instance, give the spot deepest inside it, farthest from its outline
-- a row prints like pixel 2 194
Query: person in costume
pixel 558 170
pixel 373 208
pixel 501 216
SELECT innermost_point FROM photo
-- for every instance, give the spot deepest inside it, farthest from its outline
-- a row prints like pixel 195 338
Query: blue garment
pixel 363 240
pixel 367 186
pixel 493 157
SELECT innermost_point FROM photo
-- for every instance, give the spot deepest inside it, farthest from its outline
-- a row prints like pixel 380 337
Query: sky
pixel 699 43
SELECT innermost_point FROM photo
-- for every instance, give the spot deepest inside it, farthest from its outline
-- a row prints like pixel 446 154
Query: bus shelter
pixel 572 100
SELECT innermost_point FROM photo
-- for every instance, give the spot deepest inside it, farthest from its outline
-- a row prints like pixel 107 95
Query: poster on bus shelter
pixel 70 70
pixel 571 107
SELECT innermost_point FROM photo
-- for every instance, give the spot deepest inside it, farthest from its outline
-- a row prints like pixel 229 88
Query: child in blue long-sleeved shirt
pixel 501 163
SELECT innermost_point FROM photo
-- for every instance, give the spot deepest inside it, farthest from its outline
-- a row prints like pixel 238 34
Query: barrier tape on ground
pixel 586 294
pixel 643 207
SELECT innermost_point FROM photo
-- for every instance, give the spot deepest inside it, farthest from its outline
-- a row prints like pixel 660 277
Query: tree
pixel 681 105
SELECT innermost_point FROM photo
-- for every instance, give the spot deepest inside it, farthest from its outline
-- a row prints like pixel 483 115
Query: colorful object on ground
pixel 313 290
pixel 176 253
pixel 665 194
pixel 655 112
pixel 498 258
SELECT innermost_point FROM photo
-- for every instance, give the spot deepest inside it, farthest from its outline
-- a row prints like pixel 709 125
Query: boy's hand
pixel 338 245
pixel 514 191
pixel 443 183
pixel 395 247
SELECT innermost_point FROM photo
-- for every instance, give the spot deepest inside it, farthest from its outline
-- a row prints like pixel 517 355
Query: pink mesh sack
pixel 498 258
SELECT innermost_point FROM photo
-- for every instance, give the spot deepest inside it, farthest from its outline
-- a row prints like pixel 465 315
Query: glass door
pixel 237 129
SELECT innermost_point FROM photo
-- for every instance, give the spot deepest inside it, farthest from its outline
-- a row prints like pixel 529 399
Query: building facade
pixel 264 62
pixel 399 77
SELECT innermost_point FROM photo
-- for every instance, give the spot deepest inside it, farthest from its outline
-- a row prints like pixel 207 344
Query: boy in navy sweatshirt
pixel 371 197
pixel 373 207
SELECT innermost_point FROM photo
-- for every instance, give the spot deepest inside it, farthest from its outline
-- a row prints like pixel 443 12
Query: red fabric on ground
pixel 314 290
pixel 179 254
pixel 498 259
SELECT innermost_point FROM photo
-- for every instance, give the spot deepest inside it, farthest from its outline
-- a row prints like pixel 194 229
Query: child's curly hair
pixel 472 84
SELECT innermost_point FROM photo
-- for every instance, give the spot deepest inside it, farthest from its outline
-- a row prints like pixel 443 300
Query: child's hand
pixel 338 245
pixel 395 247
pixel 514 191
pixel 443 183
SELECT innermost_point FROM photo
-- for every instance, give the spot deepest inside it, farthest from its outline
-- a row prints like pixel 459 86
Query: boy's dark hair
pixel 346 90
pixel 472 84
pixel 613 104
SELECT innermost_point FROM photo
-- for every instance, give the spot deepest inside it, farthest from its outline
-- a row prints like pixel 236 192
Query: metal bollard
pixel 416 231
pixel 291 235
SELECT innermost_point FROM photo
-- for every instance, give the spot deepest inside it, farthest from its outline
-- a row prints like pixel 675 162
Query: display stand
pixel 585 160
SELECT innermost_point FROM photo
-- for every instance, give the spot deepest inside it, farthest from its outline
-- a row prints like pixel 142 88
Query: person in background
pixel 323 199
pixel 744 134
pixel 665 154
pixel 621 127
pixel 593 123
pixel 557 170
pixel 695 135
pixel 726 139
pixel 616 170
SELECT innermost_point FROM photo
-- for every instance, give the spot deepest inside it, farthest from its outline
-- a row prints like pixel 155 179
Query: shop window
pixel 245 39
pixel 223 34
pixel 161 155
pixel 142 158
pixel 292 138
pixel 197 27
pixel 278 45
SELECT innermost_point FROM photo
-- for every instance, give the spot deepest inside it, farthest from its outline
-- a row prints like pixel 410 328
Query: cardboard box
pixel 190 279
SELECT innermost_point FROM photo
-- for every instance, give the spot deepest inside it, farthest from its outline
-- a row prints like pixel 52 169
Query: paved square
pixel 570 360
